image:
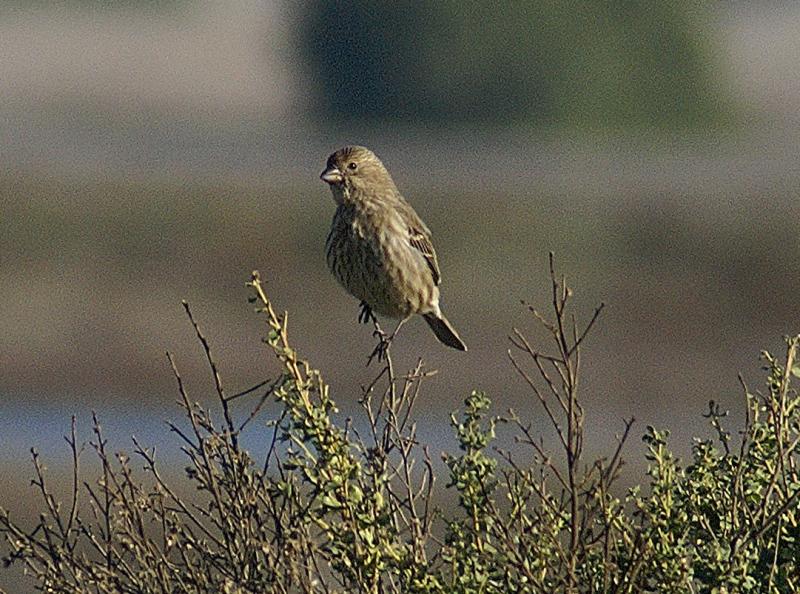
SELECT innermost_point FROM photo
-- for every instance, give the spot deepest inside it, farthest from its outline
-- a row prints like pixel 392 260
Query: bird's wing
pixel 419 236
pixel 421 240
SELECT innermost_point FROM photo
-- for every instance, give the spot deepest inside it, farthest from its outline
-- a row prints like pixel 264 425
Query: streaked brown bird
pixel 378 248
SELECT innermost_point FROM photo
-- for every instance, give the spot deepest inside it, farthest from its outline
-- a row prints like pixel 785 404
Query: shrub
pixel 334 509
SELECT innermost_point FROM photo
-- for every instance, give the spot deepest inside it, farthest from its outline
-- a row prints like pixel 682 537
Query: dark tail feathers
pixel 444 331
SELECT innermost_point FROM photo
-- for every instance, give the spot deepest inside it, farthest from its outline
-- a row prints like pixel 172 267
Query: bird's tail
pixel 444 331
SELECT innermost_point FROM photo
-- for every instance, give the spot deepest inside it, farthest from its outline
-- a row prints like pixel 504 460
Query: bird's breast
pixel 369 254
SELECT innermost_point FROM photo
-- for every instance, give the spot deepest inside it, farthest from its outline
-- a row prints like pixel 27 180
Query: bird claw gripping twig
pixel 381 350
pixel 365 316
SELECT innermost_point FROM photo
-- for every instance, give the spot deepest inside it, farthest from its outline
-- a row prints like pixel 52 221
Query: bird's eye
pixel 352 166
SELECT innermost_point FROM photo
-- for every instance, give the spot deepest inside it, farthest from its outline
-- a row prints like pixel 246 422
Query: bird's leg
pixel 396 329
pixel 365 316
pixel 382 349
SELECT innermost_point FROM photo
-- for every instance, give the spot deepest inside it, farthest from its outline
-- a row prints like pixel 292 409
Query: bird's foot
pixel 381 350
pixel 365 316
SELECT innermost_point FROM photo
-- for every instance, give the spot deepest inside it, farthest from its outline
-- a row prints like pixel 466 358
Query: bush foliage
pixel 329 508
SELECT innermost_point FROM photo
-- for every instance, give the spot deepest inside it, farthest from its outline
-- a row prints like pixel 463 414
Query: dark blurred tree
pixel 590 64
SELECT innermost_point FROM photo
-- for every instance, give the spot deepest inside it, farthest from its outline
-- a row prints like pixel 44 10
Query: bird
pixel 378 247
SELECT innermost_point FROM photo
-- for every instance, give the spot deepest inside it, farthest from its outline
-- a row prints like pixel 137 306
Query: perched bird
pixel 378 248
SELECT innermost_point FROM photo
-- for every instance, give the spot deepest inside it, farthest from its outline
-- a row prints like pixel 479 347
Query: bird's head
pixel 355 171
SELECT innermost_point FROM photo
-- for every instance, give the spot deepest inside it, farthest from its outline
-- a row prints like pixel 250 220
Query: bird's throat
pixel 339 193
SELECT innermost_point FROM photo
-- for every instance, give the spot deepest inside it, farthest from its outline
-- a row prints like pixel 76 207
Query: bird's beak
pixel 331 176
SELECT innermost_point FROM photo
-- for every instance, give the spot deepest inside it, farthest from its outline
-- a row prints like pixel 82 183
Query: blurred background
pixel 155 151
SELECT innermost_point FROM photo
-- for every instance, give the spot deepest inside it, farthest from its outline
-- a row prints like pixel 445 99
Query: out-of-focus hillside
pixel 692 265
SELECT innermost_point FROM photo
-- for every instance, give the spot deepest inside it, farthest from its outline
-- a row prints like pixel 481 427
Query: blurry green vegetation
pixel 134 222
pixel 589 65
pixel 683 273
pixel 166 226
pixel 126 224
